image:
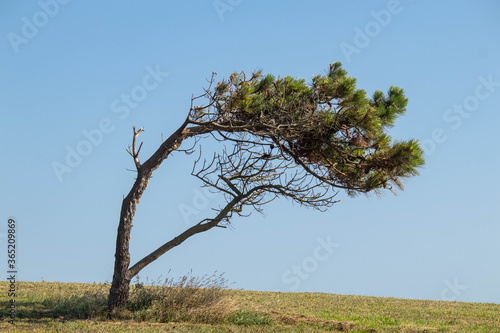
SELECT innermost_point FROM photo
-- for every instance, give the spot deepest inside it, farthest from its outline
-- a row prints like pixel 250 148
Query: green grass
pixel 65 307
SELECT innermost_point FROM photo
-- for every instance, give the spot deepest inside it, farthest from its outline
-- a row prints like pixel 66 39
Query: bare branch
pixel 135 152
pixel 196 229
pixel 228 182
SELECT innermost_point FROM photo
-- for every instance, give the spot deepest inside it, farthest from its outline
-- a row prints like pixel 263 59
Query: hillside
pixel 64 307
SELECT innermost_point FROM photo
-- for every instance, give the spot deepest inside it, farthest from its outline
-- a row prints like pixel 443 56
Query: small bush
pixel 189 298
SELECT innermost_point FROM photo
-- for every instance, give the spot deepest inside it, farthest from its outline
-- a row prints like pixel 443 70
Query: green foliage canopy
pixel 328 126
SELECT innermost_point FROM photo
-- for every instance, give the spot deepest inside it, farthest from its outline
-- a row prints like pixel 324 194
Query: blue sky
pixel 67 68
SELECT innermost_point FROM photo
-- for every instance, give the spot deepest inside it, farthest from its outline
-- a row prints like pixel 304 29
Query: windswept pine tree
pixel 286 138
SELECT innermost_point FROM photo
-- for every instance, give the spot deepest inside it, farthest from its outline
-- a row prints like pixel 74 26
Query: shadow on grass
pixel 87 306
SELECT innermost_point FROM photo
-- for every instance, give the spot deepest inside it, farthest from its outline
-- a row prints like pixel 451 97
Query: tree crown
pixel 328 126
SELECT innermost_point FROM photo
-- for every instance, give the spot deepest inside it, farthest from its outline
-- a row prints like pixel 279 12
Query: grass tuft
pixel 249 318
pixel 188 299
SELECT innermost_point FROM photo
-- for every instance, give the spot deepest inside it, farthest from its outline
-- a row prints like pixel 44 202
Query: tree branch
pixel 196 229
pixel 135 152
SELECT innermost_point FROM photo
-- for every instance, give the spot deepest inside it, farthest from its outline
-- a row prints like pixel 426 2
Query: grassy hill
pixel 75 307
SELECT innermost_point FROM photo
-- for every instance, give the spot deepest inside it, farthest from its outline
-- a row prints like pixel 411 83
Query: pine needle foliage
pixel 328 126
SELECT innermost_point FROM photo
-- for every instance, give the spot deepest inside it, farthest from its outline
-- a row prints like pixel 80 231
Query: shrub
pixel 189 298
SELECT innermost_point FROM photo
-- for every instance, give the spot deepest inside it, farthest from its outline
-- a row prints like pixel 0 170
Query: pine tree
pixel 287 138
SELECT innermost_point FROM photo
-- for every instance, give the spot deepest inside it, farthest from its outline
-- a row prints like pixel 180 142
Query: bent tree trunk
pixel 119 292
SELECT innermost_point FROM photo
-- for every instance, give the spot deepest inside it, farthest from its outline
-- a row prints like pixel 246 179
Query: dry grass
pixel 188 299
pixel 204 305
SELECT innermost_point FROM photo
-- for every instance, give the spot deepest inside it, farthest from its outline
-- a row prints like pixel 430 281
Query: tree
pixel 282 137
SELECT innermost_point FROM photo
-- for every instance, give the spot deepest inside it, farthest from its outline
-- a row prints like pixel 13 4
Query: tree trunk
pixel 119 292
pixel 118 296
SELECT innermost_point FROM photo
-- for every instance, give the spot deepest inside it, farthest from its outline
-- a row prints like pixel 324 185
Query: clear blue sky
pixel 67 69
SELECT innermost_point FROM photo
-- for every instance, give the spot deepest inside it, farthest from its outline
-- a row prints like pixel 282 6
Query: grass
pixel 205 305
